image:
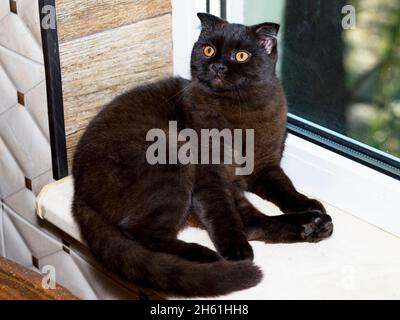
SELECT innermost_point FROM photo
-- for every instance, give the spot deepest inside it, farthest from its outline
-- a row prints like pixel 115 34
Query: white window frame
pixel 343 183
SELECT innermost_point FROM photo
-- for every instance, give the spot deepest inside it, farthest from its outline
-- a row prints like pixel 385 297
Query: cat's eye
pixel 242 56
pixel 209 51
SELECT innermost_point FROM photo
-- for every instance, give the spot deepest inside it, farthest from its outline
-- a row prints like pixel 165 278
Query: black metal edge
pixel 344 147
pixel 208 6
pixel 54 96
pixel 223 9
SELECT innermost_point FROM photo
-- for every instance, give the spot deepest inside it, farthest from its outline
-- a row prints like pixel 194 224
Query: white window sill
pixel 360 260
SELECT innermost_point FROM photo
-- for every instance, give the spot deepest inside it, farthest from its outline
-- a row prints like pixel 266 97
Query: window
pixel 340 66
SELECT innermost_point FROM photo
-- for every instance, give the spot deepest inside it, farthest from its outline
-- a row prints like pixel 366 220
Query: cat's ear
pixel 210 22
pixel 266 34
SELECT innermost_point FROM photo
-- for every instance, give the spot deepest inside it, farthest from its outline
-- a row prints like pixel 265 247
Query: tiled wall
pixel 25 162
pixel 107 47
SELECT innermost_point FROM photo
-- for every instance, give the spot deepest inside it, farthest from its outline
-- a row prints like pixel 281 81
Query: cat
pixel 130 212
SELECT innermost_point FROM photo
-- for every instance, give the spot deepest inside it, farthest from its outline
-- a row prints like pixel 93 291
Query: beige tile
pixel 36 104
pixel 76 18
pixel 24 73
pixel 12 178
pixel 97 68
pixel 15 35
pixel 26 142
pixel 8 92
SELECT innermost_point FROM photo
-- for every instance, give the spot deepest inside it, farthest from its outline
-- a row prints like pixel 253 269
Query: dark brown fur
pixel 130 212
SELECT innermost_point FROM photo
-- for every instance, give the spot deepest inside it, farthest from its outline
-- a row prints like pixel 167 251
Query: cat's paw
pixel 316 227
pixel 237 250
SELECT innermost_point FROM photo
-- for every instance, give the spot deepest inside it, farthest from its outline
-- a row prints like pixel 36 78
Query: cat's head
pixel 228 56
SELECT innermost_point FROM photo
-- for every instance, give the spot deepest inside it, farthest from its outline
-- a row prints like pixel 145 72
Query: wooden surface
pixel 20 283
pixel 106 48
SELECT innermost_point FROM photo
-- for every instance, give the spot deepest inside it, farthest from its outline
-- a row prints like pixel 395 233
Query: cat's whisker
pixel 179 94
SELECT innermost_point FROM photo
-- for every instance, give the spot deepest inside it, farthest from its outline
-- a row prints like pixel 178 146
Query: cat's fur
pixel 130 212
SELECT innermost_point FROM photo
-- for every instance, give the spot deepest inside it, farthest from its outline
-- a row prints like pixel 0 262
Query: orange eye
pixel 209 51
pixel 242 56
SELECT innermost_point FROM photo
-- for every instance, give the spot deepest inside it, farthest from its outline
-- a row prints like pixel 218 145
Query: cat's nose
pixel 219 67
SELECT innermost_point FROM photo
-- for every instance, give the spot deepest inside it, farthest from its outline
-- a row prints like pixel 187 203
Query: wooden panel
pixel 20 283
pixel 96 68
pixel 76 18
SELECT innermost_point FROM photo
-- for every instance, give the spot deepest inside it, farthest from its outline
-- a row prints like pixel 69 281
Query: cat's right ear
pixel 266 34
pixel 210 22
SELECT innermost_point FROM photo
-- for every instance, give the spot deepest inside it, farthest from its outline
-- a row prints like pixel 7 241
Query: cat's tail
pixel 163 272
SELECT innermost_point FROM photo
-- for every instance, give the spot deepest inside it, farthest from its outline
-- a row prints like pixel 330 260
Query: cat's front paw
pixel 316 227
pixel 237 249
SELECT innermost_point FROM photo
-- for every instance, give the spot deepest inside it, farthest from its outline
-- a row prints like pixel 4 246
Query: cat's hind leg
pixel 158 209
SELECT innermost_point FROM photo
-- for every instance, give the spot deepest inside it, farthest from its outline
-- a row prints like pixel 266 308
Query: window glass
pixel 340 64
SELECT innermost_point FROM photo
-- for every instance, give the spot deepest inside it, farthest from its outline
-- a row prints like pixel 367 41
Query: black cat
pixel 130 212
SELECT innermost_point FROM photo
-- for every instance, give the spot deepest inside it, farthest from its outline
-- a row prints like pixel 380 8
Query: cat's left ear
pixel 267 35
pixel 210 22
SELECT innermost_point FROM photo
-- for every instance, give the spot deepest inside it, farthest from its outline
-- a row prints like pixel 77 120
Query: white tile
pixel 15 35
pixel 26 142
pixel 69 275
pixel 12 179
pixel 39 182
pixel 28 11
pixel 40 244
pixel 24 73
pixel 8 92
pixel 36 104
pixel 15 247
pixel 2 248
pixel 24 203
pixel 104 287
pixel 4 8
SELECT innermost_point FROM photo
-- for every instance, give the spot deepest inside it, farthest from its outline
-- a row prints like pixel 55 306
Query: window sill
pixel 360 260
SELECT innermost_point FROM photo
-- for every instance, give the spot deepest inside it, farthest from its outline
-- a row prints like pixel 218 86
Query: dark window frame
pixel 344 146
pixel 223 6
pixel 54 96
